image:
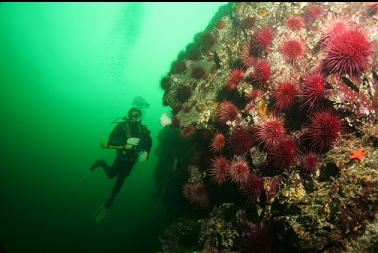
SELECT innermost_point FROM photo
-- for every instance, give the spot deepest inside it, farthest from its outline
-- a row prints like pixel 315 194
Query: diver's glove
pixel 133 141
pixel 143 156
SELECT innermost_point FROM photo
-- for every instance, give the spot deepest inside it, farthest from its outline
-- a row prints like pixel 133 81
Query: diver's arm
pixel 116 137
pixel 146 146
pixel 147 140
pixel 148 143
pixel 127 146
pixel 105 144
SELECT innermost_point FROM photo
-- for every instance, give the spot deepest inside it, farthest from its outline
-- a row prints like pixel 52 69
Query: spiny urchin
pixel 227 112
pixel 240 141
pixel 284 95
pixel 348 52
pixel 324 130
pixel 292 50
pixel 258 46
pixel 283 154
pixel 261 71
pixel 312 90
pixel 309 163
pixel 262 39
pixel 239 170
pixel 295 22
pixel 312 12
pixel 236 76
pixel 219 170
pixel 269 132
pixel 336 25
pixel 217 143
pixel 246 56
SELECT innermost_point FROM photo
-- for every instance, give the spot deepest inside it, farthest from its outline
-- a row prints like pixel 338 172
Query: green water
pixel 66 71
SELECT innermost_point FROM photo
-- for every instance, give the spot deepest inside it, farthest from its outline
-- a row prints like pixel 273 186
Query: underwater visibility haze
pixel 253 127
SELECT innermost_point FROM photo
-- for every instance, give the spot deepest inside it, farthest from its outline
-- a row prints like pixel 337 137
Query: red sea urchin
pixel 236 76
pixel 217 142
pixel 334 26
pixel 284 95
pixel 309 163
pixel 269 132
pixel 261 71
pixel 348 52
pixel 283 154
pixel 312 12
pixel 292 50
pixel 295 22
pixel 246 57
pixel 324 130
pixel 312 90
pixel 262 39
pixel 240 141
pixel 258 45
pixel 227 111
pixel 239 170
pixel 219 170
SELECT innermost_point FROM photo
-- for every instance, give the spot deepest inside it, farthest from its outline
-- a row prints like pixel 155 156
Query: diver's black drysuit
pixel 125 158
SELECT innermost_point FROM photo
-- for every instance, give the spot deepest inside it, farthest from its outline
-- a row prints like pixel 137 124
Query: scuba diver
pixel 133 143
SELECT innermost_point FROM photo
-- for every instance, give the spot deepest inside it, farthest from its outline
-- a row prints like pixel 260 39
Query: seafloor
pixel 272 145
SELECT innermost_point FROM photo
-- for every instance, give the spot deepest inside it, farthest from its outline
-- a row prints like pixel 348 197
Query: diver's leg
pixel 122 175
pixel 110 171
pixel 123 171
pixel 117 186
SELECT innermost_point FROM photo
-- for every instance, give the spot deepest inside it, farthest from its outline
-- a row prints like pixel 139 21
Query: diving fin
pixel 101 215
pixel 95 165
pixel 82 174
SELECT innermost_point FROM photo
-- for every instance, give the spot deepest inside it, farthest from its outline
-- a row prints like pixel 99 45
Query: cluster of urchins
pixel 321 127
pixel 346 50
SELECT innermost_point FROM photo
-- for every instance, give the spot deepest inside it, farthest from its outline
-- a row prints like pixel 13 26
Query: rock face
pixel 279 103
